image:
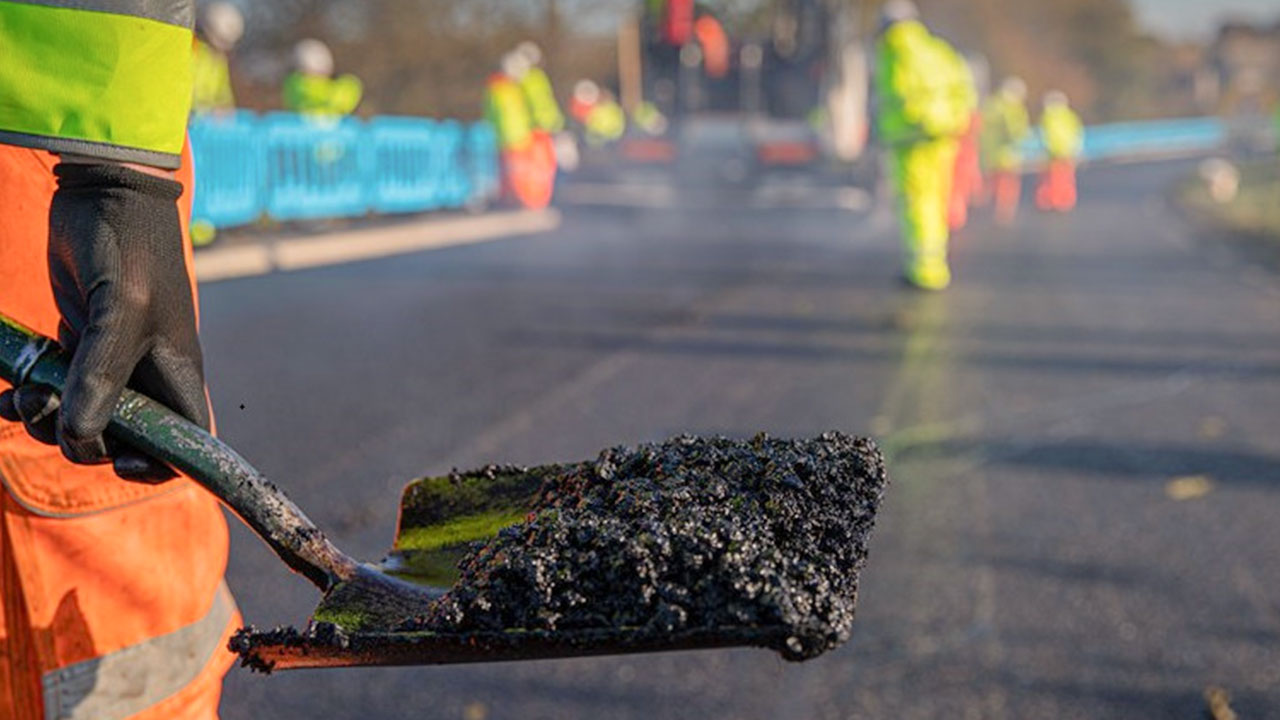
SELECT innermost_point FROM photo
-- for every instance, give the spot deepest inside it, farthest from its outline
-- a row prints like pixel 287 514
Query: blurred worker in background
pixel 603 120
pixel 527 152
pixel 544 108
pixel 112 601
pixel 967 182
pixel 714 43
pixel 312 89
pixel 925 99
pixel 218 29
pixel 1063 136
pixel 1005 126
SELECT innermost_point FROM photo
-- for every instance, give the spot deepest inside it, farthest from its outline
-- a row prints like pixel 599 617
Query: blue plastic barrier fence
pixel 482 161
pixel 404 177
pixel 1153 137
pixel 315 167
pixel 294 167
pixel 227 152
pixel 1144 138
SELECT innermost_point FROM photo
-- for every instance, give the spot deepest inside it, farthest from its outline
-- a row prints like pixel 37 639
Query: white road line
pixel 332 249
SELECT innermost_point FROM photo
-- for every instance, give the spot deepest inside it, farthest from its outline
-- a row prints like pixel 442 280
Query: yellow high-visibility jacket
pixel 212 80
pixel 105 78
pixel 922 85
pixel 1062 132
pixel 542 100
pixel 1005 126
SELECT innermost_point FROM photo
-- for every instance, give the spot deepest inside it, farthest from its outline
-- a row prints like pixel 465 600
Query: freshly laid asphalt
pixel 1082 432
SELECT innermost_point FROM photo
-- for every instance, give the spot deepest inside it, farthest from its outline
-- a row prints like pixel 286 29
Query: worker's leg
pixel 1046 192
pixel 1065 195
pixel 1008 191
pixel 113 601
pixel 958 207
pixel 925 171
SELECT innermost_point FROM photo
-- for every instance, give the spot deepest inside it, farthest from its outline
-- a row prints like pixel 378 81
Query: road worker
pixel 924 105
pixel 313 90
pixel 1063 137
pixel 543 106
pixel 527 152
pixel 218 30
pixel 112 601
pixel 603 120
pixel 1005 126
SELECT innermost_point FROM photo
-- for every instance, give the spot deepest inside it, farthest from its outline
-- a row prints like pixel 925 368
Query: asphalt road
pixel 1082 434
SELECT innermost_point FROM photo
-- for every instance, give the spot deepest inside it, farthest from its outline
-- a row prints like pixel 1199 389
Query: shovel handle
pixel 152 428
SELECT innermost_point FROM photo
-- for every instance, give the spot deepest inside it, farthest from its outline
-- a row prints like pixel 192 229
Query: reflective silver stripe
pixel 89 148
pixel 132 679
pixel 173 12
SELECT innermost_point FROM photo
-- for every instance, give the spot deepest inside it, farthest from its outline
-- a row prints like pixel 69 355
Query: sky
pixel 1198 19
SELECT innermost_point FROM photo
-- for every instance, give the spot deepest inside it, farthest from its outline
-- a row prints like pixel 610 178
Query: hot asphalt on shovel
pixel 688 544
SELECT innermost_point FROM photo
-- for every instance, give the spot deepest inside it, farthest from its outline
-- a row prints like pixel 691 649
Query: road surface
pixel 1083 520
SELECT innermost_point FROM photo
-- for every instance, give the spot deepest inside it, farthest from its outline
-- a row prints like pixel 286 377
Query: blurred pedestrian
pixel 1005 126
pixel 112 600
pixel 924 106
pixel 311 89
pixel 218 29
pixel 1063 136
pixel 527 152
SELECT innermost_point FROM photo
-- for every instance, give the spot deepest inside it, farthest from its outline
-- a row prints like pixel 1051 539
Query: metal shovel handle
pixel 148 426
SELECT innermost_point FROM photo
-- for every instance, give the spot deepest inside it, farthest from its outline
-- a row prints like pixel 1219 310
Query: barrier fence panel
pixel 482 162
pixel 316 167
pixel 403 177
pixel 455 181
pixel 1143 138
pixel 227 151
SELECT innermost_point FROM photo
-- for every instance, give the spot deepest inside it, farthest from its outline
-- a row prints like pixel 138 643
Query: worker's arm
pixel 108 92
pixel 128 315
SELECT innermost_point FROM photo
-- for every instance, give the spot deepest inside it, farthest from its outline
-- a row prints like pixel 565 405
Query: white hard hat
pixel 313 57
pixel 531 52
pixel 515 65
pixel 1014 87
pixel 222 25
pixel 1055 98
pixel 896 11
pixel 586 92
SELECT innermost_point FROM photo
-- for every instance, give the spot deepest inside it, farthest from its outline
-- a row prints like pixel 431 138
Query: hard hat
pixel 312 57
pixel 1055 98
pixel 1014 87
pixel 221 24
pixel 896 11
pixel 586 92
pixel 531 52
pixel 515 65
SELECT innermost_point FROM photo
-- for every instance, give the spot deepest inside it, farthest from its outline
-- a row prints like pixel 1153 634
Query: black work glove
pixel 128 317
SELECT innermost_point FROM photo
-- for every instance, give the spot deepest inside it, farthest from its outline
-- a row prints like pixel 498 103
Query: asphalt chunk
pixel 688 534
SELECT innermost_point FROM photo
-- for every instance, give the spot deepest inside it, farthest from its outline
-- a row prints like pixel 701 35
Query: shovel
pixel 363 605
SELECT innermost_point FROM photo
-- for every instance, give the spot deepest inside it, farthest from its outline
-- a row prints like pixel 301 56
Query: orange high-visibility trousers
pixel 529 172
pixel 112 601
pixel 966 186
pixel 1006 185
pixel 1057 190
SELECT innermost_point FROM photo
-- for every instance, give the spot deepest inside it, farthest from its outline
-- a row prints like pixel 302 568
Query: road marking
pixel 302 252
pixel 1188 487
